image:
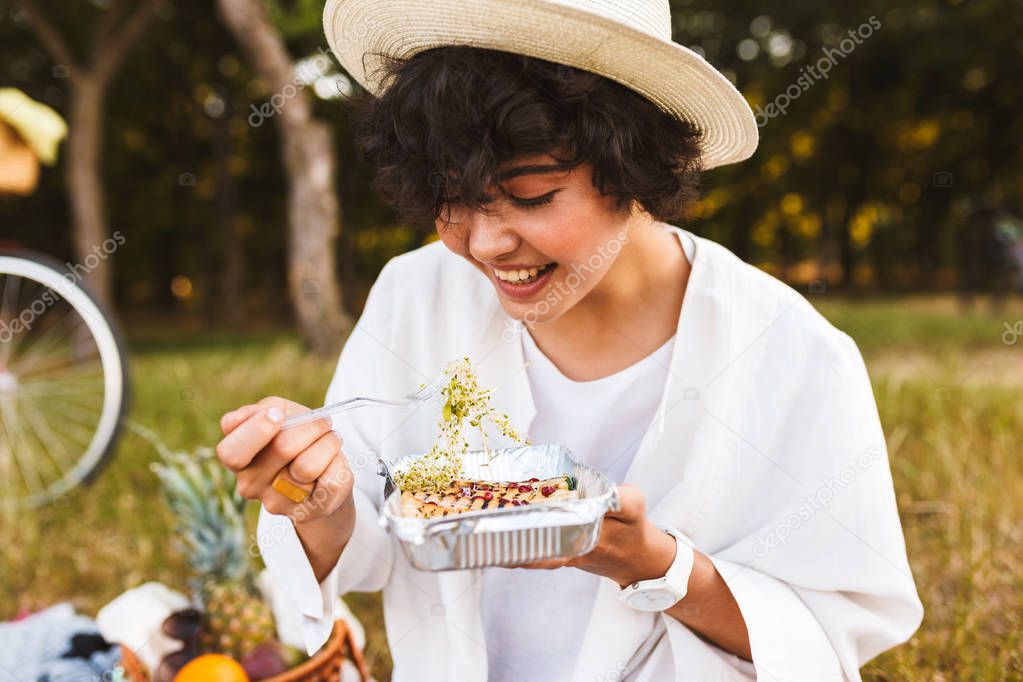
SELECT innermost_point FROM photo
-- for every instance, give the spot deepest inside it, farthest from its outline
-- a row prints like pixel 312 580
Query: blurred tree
pixel 307 150
pixel 885 174
pixel 116 32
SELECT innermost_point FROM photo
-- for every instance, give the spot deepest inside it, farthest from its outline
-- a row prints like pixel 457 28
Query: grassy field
pixel 950 392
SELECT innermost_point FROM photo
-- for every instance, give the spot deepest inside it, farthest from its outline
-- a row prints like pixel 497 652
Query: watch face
pixel 652 599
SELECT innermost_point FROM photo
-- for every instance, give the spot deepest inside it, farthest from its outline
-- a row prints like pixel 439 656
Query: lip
pixel 523 266
pixel 523 291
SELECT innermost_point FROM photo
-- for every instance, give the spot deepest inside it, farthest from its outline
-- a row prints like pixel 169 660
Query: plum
pixel 264 661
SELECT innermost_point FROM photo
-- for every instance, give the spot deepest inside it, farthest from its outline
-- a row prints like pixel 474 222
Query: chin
pixel 535 312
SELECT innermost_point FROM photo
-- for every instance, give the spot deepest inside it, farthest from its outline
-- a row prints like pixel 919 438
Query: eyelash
pixel 538 201
pixel 524 203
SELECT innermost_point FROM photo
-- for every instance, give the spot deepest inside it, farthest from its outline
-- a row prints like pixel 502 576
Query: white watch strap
pixel 658 594
pixel 682 567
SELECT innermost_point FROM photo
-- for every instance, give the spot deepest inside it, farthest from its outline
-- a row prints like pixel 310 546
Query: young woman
pixel 551 145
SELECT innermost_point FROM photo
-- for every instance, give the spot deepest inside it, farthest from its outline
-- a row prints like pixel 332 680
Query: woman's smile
pixel 522 282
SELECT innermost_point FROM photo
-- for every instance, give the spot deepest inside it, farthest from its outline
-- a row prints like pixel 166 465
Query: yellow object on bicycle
pixel 30 133
pixel 38 125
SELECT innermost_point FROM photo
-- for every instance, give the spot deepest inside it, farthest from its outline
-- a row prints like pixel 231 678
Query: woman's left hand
pixel 630 546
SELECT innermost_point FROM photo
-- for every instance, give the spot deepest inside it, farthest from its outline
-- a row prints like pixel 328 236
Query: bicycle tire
pixel 105 453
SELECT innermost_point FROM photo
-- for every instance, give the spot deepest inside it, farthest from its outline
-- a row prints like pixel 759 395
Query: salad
pixel 466 403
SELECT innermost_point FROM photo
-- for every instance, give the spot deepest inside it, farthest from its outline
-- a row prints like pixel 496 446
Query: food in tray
pixel 461 496
pixel 464 400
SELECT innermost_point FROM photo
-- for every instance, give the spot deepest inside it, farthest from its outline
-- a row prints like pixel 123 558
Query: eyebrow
pixel 530 170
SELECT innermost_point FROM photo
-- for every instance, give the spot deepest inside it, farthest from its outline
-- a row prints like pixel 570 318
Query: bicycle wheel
pixel 63 381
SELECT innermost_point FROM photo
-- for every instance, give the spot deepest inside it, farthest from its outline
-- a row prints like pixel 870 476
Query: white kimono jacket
pixel 766 450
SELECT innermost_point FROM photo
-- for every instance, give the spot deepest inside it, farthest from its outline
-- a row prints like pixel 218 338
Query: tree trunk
pixel 307 149
pixel 116 33
pixel 230 293
pixel 83 175
pixel 313 219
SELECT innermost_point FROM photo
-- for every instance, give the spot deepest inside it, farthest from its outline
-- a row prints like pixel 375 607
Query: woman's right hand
pixel 256 450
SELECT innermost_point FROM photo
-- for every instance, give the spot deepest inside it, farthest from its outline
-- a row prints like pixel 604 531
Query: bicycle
pixel 63 366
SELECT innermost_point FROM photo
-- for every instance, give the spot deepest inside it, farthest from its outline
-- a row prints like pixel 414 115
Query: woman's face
pixel 548 242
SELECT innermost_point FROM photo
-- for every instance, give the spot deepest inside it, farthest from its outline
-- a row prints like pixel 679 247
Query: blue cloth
pixel 33 649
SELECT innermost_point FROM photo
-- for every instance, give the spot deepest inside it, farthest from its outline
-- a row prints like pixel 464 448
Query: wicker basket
pixel 324 666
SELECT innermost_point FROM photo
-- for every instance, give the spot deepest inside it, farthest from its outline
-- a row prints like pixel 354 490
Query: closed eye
pixel 535 201
pixel 525 203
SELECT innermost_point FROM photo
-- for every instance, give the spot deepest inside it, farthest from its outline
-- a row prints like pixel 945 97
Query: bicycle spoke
pixel 74 377
pixel 64 408
pixel 6 450
pixel 60 401
pixel 42 392
pixel 42 348
pixel 82 426
pixel 25 464
pixel 43 336
pixel 72 403
pixel 29 335
pixel 56 416
pixel 46 437
pixel 54 366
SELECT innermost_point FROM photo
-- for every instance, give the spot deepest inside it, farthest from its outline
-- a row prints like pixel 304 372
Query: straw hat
pixel 628 41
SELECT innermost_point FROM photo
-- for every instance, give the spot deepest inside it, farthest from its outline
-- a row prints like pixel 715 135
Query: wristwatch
pixel 659 594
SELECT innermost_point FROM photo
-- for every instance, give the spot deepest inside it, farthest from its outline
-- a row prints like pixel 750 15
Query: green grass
pixel 950 393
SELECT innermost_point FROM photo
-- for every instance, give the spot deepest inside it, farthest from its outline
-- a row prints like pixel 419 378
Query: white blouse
pixel 601 422
pixel 765 449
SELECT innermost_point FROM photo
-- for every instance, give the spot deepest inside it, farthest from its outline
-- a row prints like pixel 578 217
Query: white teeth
pixel 514 276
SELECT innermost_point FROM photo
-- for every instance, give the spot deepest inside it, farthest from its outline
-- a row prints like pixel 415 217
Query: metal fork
pixel 424 392
pixel 298 492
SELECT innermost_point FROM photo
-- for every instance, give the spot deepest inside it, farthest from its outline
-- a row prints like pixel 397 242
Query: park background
pixel 889 192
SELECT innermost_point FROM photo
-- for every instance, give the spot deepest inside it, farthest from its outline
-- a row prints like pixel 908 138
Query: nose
pixel 490 236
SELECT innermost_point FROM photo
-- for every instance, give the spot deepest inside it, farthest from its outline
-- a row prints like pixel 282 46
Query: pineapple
pixel 237 622
pixel 211 525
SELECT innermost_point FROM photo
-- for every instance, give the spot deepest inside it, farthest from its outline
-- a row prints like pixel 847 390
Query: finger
pixel 240 447
pixel 293 490
pixel 313 461
pixel 264 468
pixel 332 490
pixel 297 439
pixel 230 421
pixel 631 504
pixel 337 479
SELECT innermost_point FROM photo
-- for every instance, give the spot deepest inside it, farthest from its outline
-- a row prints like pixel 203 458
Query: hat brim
pixel 676 79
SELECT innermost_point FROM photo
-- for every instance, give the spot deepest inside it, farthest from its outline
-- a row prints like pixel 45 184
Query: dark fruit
pixel 172 663
pixel 184 625
pixel 264 661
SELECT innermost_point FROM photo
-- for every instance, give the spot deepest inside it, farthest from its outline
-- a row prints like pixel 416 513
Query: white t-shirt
pixel 782 403
pixel 601 422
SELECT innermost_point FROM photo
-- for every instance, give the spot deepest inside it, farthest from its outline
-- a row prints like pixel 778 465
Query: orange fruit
pixel 212 668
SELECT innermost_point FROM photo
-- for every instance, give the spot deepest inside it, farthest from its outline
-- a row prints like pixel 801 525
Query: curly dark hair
pixel 451 115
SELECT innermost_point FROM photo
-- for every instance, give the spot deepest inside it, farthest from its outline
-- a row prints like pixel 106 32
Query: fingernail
pixel 275 414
